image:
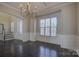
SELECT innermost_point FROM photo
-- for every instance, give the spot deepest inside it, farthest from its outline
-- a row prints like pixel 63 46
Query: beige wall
pixel 5 19
pixel 66 35
pixel 77 42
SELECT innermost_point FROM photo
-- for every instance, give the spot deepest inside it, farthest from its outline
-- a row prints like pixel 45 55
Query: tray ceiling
pixel 39 5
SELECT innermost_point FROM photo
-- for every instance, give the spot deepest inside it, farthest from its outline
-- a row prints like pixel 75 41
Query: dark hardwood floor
pixel 18 48
pixel 41 49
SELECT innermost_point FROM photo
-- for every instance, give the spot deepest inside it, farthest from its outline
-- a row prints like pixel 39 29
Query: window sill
pixel 48 36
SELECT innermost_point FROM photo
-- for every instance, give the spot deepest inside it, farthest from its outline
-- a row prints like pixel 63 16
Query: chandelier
pixel 26 9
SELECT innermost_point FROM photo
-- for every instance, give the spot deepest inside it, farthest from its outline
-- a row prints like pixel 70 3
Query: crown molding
pixel 9 6
pixel 46 8
pixel 54 8
pixel 43 11
pixel 9 11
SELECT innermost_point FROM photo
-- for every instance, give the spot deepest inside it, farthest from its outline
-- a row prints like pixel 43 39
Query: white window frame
pixel 20 26
pixel 48 27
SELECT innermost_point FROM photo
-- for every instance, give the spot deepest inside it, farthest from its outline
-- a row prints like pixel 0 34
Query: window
pixel 19 26
pixel 42 25
pixel 48 26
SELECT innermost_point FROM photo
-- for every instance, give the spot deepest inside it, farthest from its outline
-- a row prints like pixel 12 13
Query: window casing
pixel 20 26
pixel 48 26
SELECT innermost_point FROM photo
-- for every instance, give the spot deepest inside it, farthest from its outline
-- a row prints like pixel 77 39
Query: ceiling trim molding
pixel 53 9
pixel 60 4
pixel 42 11
pixel 10 11
pixel 12 15
pixel 10 6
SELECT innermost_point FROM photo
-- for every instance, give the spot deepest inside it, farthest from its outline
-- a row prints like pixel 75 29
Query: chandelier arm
pixel 26 10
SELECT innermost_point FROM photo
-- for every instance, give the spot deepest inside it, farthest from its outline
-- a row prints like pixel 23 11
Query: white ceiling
pixel 40 5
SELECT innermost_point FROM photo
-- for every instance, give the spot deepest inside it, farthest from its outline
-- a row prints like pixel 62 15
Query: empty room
pixel 39 29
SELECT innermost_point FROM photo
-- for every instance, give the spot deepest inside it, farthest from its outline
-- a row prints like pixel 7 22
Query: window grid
pixel 50 27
